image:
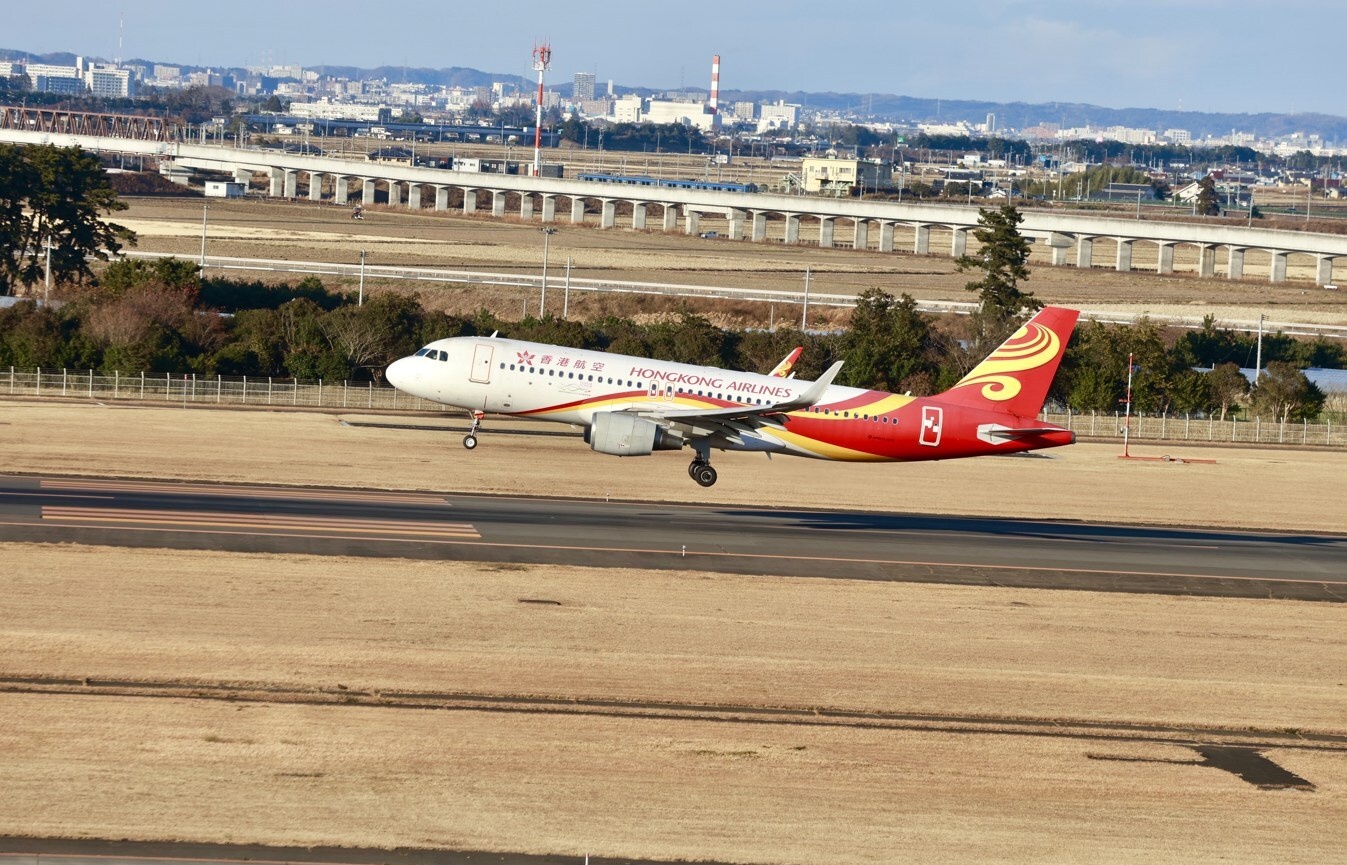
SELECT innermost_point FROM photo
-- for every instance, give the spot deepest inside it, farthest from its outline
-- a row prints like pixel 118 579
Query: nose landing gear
pixel 470 440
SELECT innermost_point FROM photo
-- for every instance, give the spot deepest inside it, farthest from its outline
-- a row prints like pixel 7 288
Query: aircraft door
pixel 932 422
pixel 481 364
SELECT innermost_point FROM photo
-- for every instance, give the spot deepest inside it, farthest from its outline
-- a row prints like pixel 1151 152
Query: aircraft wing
pixel 751 415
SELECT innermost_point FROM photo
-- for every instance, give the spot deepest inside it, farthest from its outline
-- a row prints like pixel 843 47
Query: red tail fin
pixel 1015 378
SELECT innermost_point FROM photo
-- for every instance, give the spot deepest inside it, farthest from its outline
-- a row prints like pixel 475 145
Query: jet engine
pixel 626 435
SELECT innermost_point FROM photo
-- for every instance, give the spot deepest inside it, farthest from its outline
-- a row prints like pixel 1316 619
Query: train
pixel 642 180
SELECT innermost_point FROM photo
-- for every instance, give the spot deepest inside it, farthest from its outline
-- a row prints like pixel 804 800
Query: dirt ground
pixel 240 771
pixel 324 232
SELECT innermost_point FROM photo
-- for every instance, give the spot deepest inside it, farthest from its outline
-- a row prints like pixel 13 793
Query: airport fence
pixel 1187 428
pixel 189 390
pixel 193 390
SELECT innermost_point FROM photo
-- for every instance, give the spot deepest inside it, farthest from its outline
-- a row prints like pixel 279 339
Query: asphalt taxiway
pixel 726 538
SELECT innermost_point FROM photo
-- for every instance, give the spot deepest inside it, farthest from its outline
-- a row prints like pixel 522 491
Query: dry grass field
pixel 324 232
pixel 241 771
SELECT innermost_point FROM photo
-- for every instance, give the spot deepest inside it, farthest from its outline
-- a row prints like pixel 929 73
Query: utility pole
pixel 46 290
pixel 804 316
pixel 205 208
pixel 1258 358
pixel 566 292
pixel 542 303
pixel 360 300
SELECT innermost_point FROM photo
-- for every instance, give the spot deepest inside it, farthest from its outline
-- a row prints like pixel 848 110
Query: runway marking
pixel 678 553
pixel 250 491
pixel 6 493
pixel 262 521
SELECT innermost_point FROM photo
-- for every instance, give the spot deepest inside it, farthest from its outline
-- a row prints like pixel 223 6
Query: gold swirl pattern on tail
pixel 1032 346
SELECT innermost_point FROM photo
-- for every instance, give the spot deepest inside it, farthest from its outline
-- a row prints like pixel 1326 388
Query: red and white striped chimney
pixel 715 83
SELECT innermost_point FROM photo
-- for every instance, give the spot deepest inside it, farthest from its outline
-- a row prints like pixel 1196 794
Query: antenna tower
pixel 542 61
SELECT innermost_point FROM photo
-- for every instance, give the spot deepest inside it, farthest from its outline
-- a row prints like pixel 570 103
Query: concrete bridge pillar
pixel 367 190
pixel 886 237
pixel 958 243
pixel 276 188
pixel 608 213
pixel 577 210
pixel 469 201
pixel 1206 260
pixel 341 188
pixel 291 183
pixel 498 203
pixel 526 206
pixel 394 193
pixel 1084 251
pixel 825 231
pixel 921 238
pixel 1166 258
pixel 670 216
pixel 315 186
pixel 792 228
pixel 692 221
pixel 1058 255
pixel 1278 266
pixel 549 208
pixel 441 198
pixel 1124 261
pixel 638 216
pixel 1323 269
pixel 736 220
pixel 860 237
pixel 759 231
pixel 414 196
pixel 1235 263
pixel 243 175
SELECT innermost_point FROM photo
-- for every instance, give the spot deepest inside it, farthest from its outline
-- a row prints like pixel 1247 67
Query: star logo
pixel 525 358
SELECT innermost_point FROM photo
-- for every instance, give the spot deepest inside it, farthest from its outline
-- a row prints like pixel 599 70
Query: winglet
pixel 813 393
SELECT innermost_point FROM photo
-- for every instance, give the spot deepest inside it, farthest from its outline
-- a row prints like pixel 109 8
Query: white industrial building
pixel 695 114
pixel 779 115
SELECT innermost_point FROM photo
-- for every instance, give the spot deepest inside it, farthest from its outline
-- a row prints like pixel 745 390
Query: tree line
pixel 161 317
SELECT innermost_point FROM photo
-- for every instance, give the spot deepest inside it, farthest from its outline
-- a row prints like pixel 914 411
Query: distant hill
pixel 454 76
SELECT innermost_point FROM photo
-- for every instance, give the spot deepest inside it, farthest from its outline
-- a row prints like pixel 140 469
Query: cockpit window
pixel 444 355
pixel 422 352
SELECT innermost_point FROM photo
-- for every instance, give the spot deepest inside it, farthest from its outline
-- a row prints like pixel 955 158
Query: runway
pixel 737 539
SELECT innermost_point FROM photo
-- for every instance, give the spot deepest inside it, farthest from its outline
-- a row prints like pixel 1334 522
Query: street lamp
pixel 542 303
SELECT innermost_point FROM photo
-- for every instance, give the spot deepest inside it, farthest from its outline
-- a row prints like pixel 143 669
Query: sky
pixel 1199 55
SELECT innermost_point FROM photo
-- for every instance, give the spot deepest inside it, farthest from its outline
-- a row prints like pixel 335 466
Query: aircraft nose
pixel 400 373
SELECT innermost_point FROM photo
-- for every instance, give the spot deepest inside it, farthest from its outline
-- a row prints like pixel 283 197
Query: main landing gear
pixel 700 469
pixel 470 440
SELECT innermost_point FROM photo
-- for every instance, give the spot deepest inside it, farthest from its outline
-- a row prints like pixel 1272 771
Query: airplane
pixel 634 406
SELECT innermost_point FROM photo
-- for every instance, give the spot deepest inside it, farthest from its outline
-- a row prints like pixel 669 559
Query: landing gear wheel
pixel 470 441
pixel 693 466
pixel 703 474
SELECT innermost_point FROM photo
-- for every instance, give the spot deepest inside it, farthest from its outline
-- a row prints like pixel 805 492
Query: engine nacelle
pixel 626 435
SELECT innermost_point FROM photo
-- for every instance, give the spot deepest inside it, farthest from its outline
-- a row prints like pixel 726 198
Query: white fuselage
pixel 568 385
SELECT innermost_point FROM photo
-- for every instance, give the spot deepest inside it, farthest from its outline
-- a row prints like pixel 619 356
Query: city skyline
pixel 1197 55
